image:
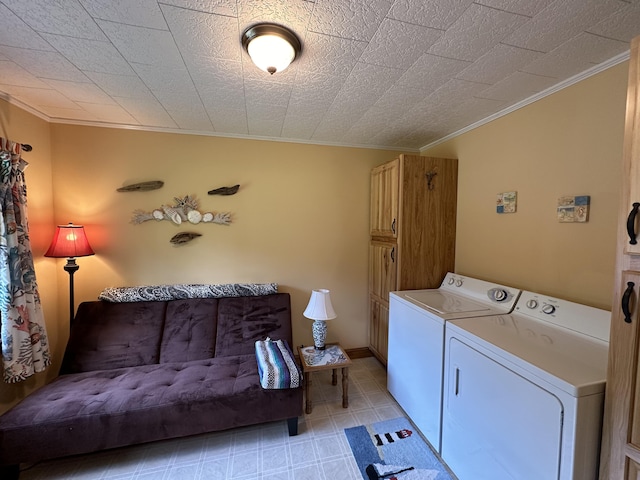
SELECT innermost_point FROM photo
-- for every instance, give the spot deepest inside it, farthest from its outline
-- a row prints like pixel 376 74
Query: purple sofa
pixel 151 370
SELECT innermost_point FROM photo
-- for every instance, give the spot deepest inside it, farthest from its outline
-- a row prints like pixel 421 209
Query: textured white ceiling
pixel 380 73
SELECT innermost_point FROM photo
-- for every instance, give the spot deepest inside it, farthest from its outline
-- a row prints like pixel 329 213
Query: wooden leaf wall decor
pixel 142 186
pixel 224 190
pixel 183 237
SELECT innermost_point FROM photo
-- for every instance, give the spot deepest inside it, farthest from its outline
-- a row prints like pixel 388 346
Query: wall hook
pixel 430 176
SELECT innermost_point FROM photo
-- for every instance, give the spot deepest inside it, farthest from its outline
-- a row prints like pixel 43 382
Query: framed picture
pixel 507 202
pixel 573 209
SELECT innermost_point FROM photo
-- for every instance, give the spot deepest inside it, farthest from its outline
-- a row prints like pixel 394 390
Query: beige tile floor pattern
pixel 320 451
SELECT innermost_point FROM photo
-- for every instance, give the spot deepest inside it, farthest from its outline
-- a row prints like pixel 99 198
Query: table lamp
pixel 319 310
pixel 70 241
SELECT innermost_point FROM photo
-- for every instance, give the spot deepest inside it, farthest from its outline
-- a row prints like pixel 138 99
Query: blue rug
pixel 391 449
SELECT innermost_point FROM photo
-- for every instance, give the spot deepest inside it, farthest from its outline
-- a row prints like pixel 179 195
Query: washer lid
pixel 571 361
pixel 443 303
pixel 460 297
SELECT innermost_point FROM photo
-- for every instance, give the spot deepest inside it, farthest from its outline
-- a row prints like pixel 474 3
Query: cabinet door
pixel 631 152
pixel 378 329
pixel 621 435
pixel 384 199
pixel 382 269
pixel 621 430
pixel 634 472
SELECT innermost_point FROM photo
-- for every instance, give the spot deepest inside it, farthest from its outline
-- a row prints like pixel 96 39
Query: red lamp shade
pixel 69 241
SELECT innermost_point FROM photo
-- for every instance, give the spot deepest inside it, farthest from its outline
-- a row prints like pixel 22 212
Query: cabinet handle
pixel 631 224
pixel 393 254
pixel 456 389
pixel 393 225
pixel 625 301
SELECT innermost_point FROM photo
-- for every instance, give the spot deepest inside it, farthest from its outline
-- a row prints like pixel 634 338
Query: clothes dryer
pixel 524 392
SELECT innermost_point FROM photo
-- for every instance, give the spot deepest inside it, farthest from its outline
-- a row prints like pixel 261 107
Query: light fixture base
pixel 319 331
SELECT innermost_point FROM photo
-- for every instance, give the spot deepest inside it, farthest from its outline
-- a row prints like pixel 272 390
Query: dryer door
pixel 497 425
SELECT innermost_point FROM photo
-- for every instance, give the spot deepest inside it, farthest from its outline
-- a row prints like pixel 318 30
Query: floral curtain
pixel 25 346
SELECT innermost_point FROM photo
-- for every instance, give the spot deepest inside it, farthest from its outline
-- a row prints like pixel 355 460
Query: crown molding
pixel 18 103
pixel 534 98
pixel 523 103
pixel 230 135
pixel 14 101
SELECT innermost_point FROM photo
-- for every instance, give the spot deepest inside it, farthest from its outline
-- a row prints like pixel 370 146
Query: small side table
pixel 332 357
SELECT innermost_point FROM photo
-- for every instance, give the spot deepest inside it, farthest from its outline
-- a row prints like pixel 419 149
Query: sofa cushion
pixel 189 330
pixel 244 320
pixel 114 335
pixel 92 411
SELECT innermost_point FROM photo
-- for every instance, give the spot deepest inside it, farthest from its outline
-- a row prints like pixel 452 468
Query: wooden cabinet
pixel 413 231
pixel 620 453
pixel 384 199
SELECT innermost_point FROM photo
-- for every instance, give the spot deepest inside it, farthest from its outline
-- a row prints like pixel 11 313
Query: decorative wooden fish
pixel 142 186
pixel 224 190
pixel 184 237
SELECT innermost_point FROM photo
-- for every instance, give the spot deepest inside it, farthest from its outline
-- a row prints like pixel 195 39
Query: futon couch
pixel 142 371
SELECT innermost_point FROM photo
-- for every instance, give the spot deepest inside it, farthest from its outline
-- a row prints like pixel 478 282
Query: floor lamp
pixel 70 241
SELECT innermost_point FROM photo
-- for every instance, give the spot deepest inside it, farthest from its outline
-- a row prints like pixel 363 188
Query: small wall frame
pixel 573 209
pixel 507 202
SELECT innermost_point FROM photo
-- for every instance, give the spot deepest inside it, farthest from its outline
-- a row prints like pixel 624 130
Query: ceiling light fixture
pixel 271 47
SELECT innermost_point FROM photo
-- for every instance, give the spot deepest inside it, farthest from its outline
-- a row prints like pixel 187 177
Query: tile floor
pixel 320 451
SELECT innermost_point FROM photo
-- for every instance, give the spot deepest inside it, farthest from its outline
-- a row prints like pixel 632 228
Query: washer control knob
pixel 548 309
pixel 458 283
pixel 451 280
pixel 499 295
pixel 532 303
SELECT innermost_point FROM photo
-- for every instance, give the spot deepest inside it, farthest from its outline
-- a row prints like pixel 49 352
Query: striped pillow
pixel 276 365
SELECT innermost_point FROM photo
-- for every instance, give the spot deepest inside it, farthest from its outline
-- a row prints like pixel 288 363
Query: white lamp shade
pixel 320 307
pixel 271 52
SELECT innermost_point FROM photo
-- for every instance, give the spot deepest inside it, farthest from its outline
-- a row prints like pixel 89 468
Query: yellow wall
pixel 300 218
pixel 569 143
pixel 20 126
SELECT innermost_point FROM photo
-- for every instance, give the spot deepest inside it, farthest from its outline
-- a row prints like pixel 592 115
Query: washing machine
pixel 524 392
pixel 415 356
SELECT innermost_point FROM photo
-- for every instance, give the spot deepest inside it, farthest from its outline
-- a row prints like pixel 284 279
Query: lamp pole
pixel 71 267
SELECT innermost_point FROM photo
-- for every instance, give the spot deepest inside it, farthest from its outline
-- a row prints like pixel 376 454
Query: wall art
pixel 184 209
pixel 142 186
pixel 507 202
pixel 573 209
pixel 224 190
pixel 184 237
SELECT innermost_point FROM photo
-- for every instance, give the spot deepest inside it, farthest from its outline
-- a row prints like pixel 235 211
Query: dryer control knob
pixel 458 283
pixel 533 303
pixel 548 309
pixel 500 295
pixel 451 280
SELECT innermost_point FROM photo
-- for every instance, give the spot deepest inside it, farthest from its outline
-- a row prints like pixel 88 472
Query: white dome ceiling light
pixel 271 47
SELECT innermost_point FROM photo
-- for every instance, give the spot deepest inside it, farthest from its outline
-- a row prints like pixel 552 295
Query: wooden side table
pixel 332 357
